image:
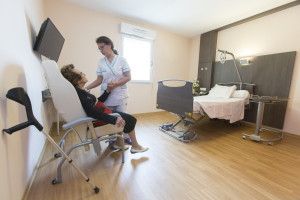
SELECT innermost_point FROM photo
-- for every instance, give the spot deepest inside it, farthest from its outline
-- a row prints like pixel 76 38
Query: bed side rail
pixel 178 100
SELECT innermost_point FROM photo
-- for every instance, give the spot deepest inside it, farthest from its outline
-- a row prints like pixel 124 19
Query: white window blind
pixel 137 45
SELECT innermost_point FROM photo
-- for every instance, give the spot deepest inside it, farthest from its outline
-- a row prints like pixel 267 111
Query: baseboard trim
pixel 35 171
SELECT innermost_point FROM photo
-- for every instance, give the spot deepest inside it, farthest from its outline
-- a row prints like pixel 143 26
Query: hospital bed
pixel 224 101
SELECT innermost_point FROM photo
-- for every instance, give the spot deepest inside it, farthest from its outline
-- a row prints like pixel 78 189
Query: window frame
pixel 124 35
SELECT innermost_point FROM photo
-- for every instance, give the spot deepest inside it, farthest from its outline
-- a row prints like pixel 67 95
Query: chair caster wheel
pixel 244 137
pixel 54 181
pixel 96 189
pixel 270 143
pixel 56 155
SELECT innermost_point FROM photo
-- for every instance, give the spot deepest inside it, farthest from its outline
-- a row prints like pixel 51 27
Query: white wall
pixel 275 33
pixel 20 21
pixel 194 57
pixel 81 26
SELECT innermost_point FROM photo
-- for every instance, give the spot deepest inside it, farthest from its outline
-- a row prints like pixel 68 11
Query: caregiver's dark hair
pixel 107 41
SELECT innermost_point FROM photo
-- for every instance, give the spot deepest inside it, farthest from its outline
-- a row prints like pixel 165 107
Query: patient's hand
pixel 111 85
pixel 120 122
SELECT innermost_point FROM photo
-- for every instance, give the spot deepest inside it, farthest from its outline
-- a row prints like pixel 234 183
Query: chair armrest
pixel 77 121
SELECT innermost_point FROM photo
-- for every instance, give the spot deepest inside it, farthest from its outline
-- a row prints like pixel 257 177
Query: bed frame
pixel 178 100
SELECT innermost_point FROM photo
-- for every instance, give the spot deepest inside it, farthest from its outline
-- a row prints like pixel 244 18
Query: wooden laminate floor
pixel 218 165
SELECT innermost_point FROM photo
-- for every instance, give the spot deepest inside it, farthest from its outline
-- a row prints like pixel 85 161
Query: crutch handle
pixel 16 128
pixel 20 95
pixel 22 126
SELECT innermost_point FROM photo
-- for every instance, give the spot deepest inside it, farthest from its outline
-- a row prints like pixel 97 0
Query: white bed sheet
pixel 231 109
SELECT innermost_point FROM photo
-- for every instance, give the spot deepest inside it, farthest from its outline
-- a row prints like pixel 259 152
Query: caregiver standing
pixel 113 72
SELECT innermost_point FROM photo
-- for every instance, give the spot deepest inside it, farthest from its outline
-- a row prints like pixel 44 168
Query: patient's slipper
pixel 140 150
pixel 120 147
pixel 111 144
pixel 128 141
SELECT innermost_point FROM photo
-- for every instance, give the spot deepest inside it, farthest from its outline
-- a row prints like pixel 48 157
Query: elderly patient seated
pixel 99 111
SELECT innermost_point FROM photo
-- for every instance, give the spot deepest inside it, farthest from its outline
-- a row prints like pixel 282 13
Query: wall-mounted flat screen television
pixel 49 41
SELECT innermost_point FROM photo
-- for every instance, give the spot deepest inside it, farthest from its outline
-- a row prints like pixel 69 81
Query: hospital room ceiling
pixel 188 18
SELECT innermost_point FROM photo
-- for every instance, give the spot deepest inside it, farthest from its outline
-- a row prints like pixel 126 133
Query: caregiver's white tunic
pixel 113 72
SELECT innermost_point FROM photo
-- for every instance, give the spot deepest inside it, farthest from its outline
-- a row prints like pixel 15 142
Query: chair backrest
pixel 63 93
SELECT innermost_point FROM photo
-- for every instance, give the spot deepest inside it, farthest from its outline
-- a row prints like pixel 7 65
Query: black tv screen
pixel 49 41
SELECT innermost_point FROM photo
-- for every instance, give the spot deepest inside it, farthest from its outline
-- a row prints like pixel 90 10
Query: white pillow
pixel 241 94
pixel 222 91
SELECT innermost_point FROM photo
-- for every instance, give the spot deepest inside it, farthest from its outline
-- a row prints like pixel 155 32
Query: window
pixel 138 53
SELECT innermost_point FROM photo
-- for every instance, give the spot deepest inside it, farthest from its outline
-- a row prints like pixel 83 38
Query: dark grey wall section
pixel 207 58
pixel 205 74
pixel 271 74
pixel 208 46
